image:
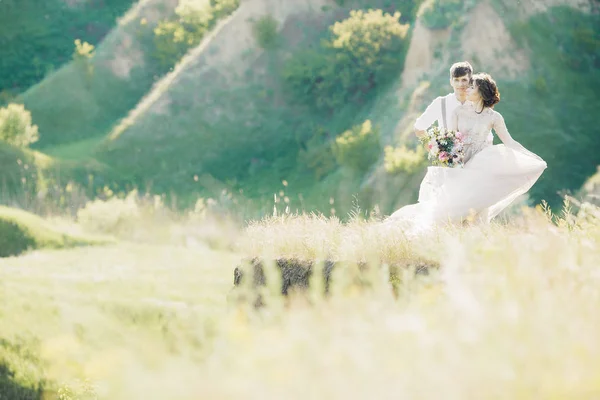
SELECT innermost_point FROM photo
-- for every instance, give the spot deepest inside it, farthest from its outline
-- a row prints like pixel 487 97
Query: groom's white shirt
pixel 434 112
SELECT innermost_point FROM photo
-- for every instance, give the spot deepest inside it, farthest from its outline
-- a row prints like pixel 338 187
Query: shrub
pixel 442 14
pixel 402 159
pixel 14 240
pixel 358 148
pixel 193 18
pixel 111 216
pixel 16 127
pixel 21 231
pixel 318 155
pixel 82 56
pixel 362 52
pixel 265 31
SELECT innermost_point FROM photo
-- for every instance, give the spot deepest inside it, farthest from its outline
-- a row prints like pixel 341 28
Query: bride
pixel 492 177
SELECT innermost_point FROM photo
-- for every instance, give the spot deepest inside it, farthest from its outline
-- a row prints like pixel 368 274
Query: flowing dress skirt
pixel 488 183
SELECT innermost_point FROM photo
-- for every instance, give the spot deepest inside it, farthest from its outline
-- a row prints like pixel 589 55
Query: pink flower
pixel 444 156
pixel 459 136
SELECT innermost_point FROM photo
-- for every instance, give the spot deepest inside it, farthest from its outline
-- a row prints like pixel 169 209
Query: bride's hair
pixel 487 89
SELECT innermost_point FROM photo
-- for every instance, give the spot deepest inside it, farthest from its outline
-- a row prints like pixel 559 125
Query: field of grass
pixel 510 313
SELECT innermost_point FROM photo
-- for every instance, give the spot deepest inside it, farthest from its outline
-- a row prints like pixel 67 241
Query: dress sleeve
pixel 502 132
pixel 430 115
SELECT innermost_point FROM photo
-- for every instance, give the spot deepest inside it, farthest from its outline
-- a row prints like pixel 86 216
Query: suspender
pixel 444 112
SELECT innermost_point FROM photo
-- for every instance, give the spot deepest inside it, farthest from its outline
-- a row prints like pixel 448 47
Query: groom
pixel 460 78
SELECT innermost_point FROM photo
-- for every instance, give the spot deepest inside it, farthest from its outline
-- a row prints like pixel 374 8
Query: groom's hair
pixel 461 68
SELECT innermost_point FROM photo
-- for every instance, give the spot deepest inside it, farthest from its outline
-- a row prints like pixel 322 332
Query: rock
pixel 296 273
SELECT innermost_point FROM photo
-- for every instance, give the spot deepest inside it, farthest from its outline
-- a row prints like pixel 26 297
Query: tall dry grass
pixel 511 313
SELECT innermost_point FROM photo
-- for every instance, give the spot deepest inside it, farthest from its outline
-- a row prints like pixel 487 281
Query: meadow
pixel 153 153
pixel 505 311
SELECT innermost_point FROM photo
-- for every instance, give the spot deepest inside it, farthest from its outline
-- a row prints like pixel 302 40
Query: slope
pixel 84 98
pixel 223 111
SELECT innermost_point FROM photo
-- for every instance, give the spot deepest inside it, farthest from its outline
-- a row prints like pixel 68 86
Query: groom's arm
pixel 429 116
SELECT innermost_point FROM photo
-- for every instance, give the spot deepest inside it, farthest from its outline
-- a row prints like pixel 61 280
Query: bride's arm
pixel 502 132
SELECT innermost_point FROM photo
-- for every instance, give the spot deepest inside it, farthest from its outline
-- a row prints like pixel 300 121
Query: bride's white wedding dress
pixel 493 176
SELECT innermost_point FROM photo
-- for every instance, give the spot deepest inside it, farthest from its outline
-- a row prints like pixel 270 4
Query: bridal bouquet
pixel 444 147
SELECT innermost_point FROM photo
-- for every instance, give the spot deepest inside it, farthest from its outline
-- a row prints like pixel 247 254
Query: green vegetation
pixel 21 231
pixel 37 35
pixel 265 31
pixel 442 14
pixel 16 127
pixel 86 98
pixel 281 131
pixel 401 159
pixel 359 147
pixel 364 52
pixel 193 19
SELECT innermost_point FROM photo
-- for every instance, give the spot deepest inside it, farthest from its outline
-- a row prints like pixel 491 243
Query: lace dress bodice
pixel 477 128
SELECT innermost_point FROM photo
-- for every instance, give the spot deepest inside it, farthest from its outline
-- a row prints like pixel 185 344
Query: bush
pixel 358 148
pixel 21 231
pixel 14 240
pixel 442 14
pixel 82 56
pixel 265 31
pixel 402 159
pixel 193 19
pixel 363 52
pixel 16 127
pixel 318 155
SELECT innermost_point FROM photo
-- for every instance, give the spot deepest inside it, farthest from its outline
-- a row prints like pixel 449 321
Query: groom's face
pixel 460 84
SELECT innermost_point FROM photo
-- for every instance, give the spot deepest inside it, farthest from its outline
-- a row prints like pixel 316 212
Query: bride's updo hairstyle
pixel 487 89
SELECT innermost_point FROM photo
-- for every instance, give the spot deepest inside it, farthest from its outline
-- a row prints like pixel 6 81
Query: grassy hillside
pixel 40 183
pixel 36 36
pixel 230 118
pixel 84 98
pixel 252 135
pixel 241 125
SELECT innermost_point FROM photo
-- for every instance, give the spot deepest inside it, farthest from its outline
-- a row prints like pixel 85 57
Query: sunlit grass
pixel 510 313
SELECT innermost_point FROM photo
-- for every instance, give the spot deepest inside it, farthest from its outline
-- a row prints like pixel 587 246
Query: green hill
pixel 229 113
pixel 245 130
pixel 85 97
pixel 36 36
pixel 264 94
